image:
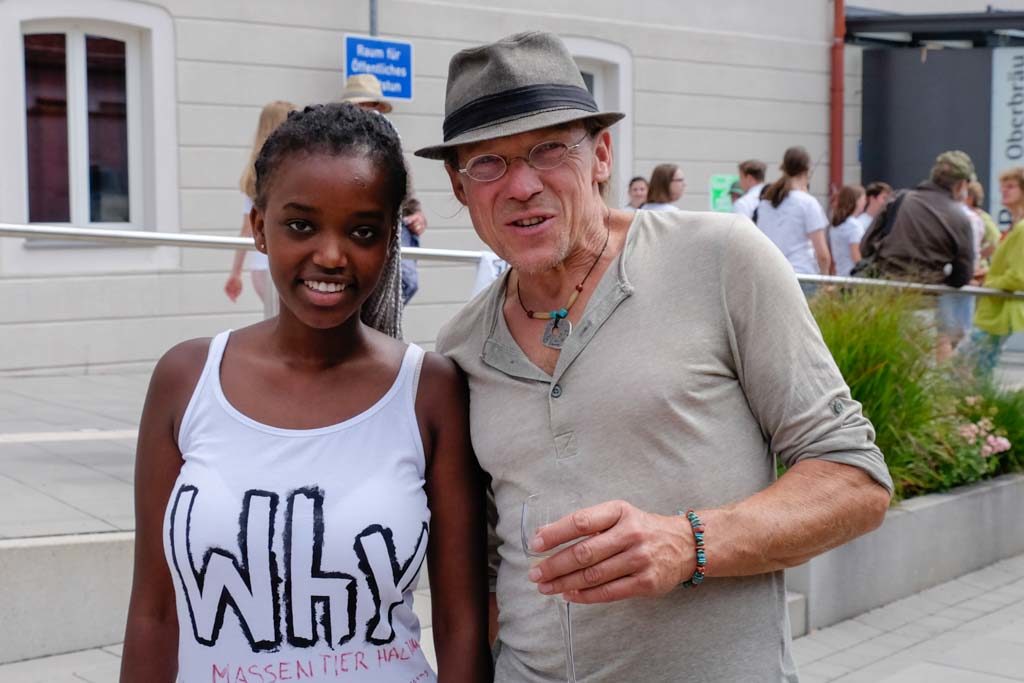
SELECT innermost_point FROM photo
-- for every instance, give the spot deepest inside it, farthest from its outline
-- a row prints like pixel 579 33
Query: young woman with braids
pixel 293 476
pixel 793 219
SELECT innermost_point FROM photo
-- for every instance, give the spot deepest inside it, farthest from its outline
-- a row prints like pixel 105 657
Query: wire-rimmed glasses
pixel 544 156
pixel 539 510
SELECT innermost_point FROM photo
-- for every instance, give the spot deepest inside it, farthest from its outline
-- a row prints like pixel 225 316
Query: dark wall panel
pixel 914 109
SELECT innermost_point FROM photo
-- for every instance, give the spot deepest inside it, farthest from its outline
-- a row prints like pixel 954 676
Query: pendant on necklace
pixel 556 332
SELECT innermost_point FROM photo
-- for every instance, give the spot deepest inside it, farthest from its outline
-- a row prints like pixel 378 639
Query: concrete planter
pixel 63 593
pixel 923 542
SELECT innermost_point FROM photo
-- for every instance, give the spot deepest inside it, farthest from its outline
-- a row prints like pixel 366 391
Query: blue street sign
pixel 389 60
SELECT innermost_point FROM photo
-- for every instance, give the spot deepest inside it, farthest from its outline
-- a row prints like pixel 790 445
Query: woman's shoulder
pixel 183 360
pixel 802 197
pixel 809 205
pixel 436 370
pixel 442 390
pixel 176 376
pixel 439 371
pixel 850 225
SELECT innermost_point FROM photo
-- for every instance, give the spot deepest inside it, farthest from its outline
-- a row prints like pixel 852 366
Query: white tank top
pixel 294 552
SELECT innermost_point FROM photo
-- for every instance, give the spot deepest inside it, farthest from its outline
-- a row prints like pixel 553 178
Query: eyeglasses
pixel 545 156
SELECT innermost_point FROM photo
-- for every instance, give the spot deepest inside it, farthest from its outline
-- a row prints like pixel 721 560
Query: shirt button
pixel 556 391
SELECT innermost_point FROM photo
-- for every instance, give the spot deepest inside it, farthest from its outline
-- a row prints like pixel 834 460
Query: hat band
pixel 528 99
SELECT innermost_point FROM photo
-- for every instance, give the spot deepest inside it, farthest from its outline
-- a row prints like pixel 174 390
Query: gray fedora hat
pixel 520 83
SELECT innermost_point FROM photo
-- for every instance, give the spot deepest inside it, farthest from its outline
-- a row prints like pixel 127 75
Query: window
pixel 88 130
pixel 607 70
pixel 81 124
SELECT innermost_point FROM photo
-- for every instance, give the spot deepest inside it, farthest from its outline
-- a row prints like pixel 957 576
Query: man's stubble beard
pixel 536 268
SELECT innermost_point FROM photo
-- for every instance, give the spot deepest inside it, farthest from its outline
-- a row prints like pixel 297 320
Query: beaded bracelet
pixel 702 560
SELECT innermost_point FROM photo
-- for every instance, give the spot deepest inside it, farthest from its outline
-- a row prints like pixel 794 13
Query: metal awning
pixel 994 28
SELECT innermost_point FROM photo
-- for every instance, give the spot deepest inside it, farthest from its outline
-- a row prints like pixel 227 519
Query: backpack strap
pixel 890 214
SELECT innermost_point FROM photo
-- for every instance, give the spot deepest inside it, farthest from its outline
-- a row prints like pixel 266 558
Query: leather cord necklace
pixel 559 327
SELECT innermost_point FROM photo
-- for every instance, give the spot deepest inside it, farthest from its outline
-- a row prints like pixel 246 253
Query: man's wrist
pixel 699 549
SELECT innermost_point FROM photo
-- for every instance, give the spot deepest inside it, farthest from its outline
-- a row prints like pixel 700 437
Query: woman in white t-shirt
pixel 793 219
pixel 846 230
pixel 272 116
pixel 666 188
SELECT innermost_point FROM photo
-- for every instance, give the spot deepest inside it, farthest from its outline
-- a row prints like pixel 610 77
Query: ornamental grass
pixel 938 425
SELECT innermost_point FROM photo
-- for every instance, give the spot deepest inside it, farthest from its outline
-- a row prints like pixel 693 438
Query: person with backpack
pixel 925 236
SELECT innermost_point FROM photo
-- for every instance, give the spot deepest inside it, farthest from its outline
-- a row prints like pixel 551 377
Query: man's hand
pixel 416 222
pixel 625 553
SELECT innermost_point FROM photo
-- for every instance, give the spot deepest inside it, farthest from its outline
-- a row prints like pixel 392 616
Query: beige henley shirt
pixel 695 361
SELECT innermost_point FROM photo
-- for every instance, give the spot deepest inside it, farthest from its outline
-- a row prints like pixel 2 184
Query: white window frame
pixel 148 34
pixel 78 115
pixel 611 65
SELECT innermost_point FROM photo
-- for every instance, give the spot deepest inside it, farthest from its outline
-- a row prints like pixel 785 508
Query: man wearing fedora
pixel 365 91
pixel 652 366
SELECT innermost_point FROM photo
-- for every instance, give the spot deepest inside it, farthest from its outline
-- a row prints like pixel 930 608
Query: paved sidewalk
pixel 970 630
pixel 67 453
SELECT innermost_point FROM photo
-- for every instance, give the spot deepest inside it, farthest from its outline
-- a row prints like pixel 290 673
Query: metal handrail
pixel 413 253
pixel 180 239
pixel 909 286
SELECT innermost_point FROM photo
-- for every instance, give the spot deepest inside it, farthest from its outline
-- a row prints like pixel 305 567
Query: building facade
pixel 149 108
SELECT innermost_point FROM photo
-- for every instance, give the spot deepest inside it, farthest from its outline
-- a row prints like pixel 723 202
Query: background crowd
pixel 940 236
pixel 935 233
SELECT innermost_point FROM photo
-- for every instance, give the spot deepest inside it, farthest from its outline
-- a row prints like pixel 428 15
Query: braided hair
pixel 342 129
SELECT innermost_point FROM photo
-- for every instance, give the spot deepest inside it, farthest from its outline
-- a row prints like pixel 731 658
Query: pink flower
pixel 972 400
pixel 986 451
pixel 969 432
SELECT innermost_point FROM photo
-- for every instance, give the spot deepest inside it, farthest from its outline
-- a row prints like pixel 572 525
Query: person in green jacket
pixel 996 319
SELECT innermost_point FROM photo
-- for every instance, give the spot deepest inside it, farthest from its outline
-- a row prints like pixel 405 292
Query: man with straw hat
pixel 365 90
pixel 649 365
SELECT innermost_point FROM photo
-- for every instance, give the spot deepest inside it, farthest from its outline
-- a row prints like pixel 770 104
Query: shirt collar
pixel 501 351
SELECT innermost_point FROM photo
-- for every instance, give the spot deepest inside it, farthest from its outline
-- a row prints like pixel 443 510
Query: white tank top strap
pixel 203 386
pixel 412 366
pixel 408 383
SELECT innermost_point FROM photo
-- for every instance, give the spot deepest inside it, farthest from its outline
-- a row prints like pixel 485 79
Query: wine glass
pixel 540 510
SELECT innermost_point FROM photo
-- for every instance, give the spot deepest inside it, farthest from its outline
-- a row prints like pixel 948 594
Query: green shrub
pixel 883 343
